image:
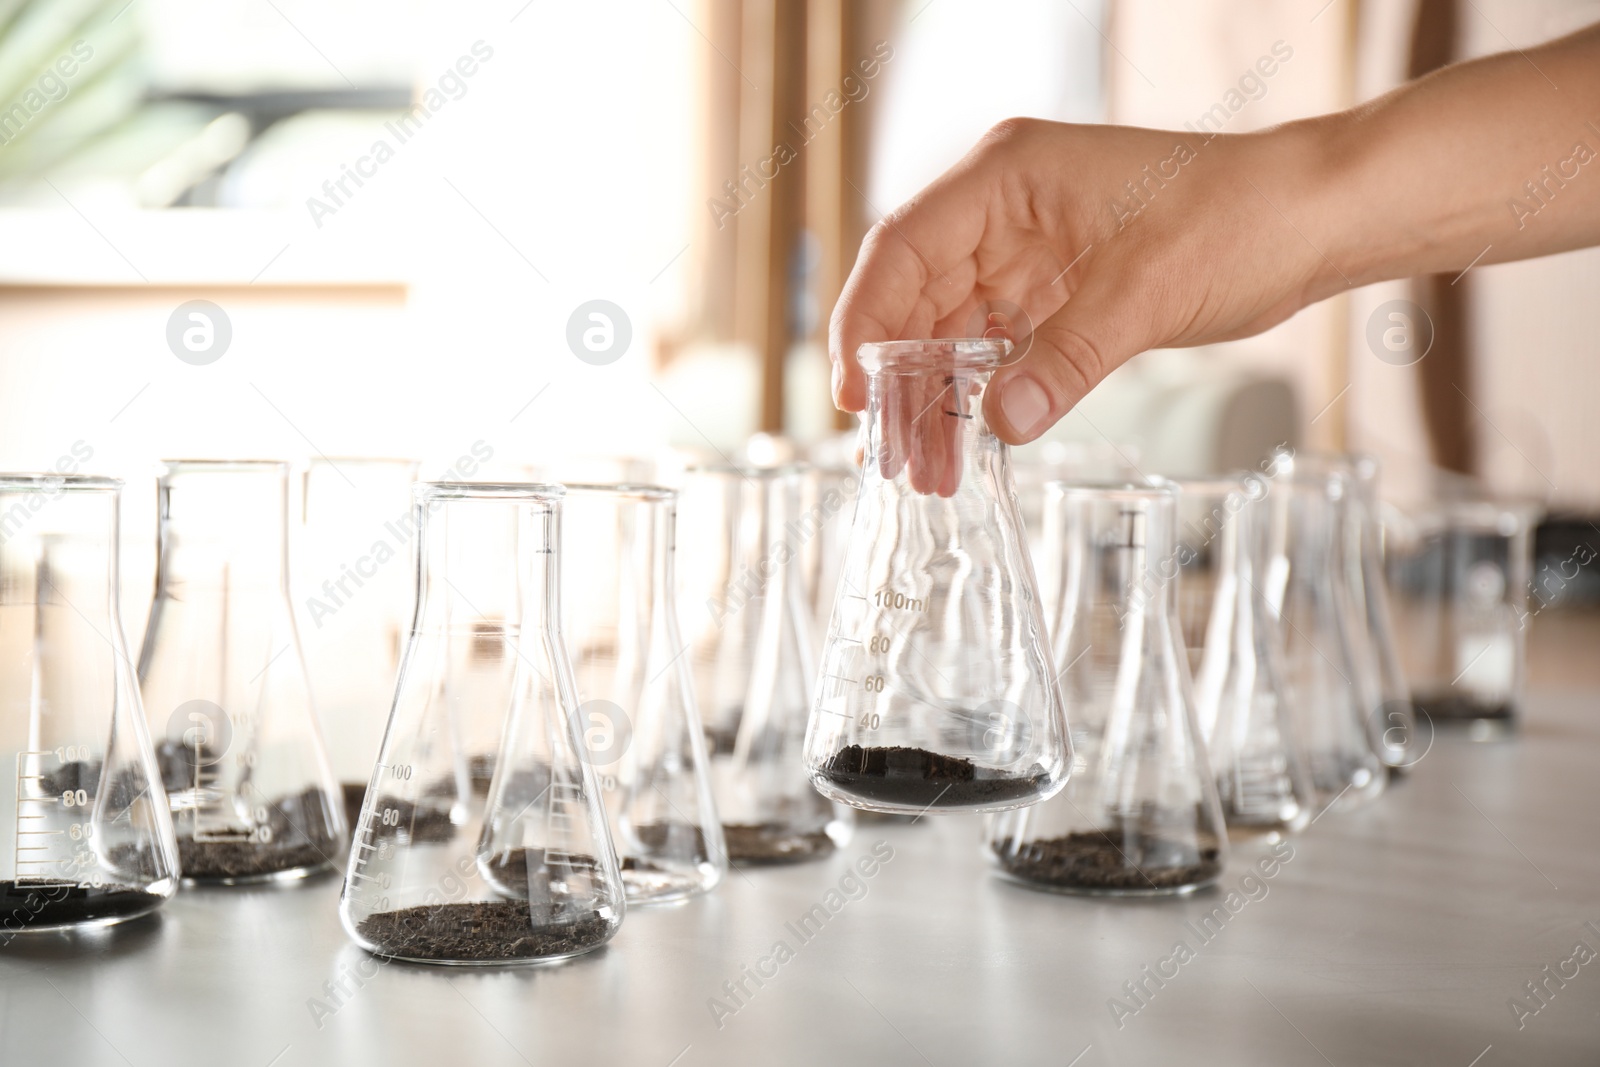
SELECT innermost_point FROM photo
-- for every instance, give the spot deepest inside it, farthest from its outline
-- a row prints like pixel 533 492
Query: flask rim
pixel 539 492
pixel 940 353
pixel 1153 488
pixel 621 490
pixel 750 470
pixel 43 481
pixel 172 467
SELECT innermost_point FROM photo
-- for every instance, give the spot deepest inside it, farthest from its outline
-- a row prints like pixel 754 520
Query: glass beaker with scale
pixel 1140 814
pixel 936 691
pixel 87 837
pixel 224 685
pixel 439 873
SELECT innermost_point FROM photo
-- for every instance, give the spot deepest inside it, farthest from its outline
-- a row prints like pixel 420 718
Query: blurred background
pixel 548 236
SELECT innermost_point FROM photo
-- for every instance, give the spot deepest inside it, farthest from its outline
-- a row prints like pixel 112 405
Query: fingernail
pixel 1025 405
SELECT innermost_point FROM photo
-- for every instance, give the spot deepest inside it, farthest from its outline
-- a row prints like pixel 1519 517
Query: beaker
pixel 89 838
pixel 1139 814
pixel 641 726
pixel 224 684
pixel 1329 671
pixel 770 812
pixel 353 590
pixel 1462 589
pixel 720 524
pixel 936 691
pixel 526 874
pixel 1240 701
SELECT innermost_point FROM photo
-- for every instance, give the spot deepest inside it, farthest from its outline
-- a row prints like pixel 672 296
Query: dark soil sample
pixel 421 824
pixel 243 859
pixel 48 904
pixel 666 840
pixel 1126 861
pixel 915 776
pixel 773 842
pixel 720 741
pixel 1450 708
pixel 480 770
pixel 299 839
pixel 354 794
pixel 479 932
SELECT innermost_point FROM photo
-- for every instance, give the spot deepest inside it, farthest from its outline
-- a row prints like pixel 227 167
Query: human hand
pixel 1111 240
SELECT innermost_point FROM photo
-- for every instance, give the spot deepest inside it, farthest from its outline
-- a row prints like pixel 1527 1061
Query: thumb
pixel 1066 355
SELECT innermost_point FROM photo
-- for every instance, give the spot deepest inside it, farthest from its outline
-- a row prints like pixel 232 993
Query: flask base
pixel 1479 720
pixel 44 905
pixel 775 842
pixel 904 780
pixel 1100 863
pixel 480 933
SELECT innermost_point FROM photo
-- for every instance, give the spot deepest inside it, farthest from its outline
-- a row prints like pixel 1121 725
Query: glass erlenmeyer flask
pixel 1328 671
pixel 720 522
pixel 527 874
pixel 1240 702
pixel 1393 723
pixel 936 690
pixel 638 713
pixel 1139 814
pixel 87 836
pixel 352 586
pixel 770 812
pixel 224 685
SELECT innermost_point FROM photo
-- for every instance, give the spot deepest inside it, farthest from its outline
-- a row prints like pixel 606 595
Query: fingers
pixel 1095 332
pixel 914 268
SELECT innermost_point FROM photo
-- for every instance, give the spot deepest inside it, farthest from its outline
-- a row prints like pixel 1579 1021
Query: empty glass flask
pixel 770 812
pixel 86 835
pixel 1240 701
pixel 1329 672
pixel 353 590
pixel 440 873
pixel 1139 814
pixel 224 684
pixel 936 691
pixel 637 708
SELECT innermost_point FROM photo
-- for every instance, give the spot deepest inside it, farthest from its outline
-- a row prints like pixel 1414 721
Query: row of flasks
pixel 605 690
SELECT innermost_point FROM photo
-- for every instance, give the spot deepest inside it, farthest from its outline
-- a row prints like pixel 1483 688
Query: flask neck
pixel 58 546
pixel 224 523
pixel 487 565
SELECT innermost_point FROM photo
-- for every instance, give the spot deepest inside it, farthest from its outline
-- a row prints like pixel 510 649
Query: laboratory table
pixel 1405 932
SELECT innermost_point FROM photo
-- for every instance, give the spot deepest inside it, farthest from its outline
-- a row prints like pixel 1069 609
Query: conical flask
pixel 936 691
pixel 87 836
pixel 1240 703
pixel 352 589
pixel 224 684
pixel 720 523
pixel 1392 723
pixel 638 713
pixel 1139 814
pixel 1328 670
pixel 770 812
pixel 528 873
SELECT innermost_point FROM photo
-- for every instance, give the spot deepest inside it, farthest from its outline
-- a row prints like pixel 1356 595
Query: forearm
pixel 1501 154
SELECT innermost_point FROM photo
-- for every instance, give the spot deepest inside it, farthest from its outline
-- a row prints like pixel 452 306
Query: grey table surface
pixel 1396 934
